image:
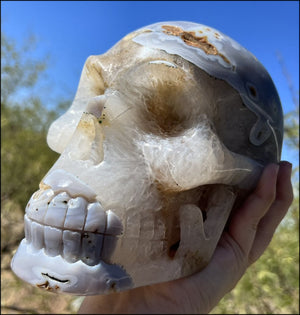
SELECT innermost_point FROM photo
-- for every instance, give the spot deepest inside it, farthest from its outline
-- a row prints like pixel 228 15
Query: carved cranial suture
pixel 168 132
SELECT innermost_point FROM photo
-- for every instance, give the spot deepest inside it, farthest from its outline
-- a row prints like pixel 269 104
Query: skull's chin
pixel 57 275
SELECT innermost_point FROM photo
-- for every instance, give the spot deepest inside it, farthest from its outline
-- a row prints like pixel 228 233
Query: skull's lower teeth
pixel 71 227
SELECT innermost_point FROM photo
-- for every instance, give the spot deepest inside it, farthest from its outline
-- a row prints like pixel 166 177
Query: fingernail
pixel 286 164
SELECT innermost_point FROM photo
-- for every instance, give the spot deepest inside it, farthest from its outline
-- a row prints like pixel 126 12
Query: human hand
pixel 249 232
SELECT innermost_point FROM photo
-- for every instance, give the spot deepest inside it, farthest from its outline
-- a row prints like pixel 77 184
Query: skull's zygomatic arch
pixel 169 130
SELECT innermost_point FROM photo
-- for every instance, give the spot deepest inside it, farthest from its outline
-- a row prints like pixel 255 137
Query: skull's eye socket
pixel 163 108
pixel 166 92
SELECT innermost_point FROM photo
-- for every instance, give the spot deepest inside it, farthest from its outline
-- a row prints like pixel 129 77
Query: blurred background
pixel 44 45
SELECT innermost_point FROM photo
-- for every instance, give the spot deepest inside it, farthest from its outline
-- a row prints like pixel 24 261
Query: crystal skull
pixel 168 132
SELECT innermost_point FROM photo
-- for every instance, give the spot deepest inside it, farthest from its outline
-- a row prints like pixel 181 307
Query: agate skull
pixel 168 132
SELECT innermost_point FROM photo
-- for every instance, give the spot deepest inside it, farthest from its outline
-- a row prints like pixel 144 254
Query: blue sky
pixel 70 31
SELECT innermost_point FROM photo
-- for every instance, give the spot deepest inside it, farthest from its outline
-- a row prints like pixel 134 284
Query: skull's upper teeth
pixel 71 227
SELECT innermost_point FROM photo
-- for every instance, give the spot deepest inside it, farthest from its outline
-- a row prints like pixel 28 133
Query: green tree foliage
pixel 25 159
pixel 17 71
pixel 25 156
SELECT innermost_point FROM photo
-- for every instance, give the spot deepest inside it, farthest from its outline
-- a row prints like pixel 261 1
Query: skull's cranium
pixel 168 131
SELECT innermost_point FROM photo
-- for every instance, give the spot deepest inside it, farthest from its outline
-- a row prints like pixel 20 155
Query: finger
pixel 244 222
pixel 279 208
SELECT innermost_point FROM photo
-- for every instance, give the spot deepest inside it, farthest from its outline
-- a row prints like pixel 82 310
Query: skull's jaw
pixel 69 240
pixel 180 245
pixel 57 275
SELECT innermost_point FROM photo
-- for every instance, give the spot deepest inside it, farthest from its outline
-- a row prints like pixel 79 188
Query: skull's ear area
pixel 91 85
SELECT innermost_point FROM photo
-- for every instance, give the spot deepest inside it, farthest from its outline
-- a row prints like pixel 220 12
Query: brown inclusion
pixel 191 39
